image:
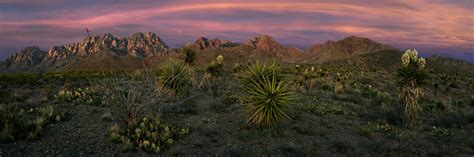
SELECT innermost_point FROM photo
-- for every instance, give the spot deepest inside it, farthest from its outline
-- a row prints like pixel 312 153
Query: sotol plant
pixel 412 75
pixel 267 95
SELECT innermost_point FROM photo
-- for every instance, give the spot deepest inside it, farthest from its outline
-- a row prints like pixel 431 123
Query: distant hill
pixel 345 48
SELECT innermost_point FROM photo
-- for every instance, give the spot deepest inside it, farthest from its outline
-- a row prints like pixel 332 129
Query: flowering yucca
pixel 220 59
pixel 412 74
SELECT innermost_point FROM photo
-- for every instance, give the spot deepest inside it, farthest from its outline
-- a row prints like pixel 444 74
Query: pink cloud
pixel 413 21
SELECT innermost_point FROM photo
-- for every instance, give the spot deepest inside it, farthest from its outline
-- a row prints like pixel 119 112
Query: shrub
pixel 378 127
pixel 10 118
pixel 130 93
pixel 15 124
pixel 266 96
pixel 188 55
pixel 176 78
pixel 412 75
pixel 215 68
pixel 148 135
pixel 439 133
pixel 369 92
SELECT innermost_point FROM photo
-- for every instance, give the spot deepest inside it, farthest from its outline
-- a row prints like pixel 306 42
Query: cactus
pixel 151 139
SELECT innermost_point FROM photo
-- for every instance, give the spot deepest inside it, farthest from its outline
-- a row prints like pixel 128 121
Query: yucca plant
pixel 188 55
pixel 259 71
pixel 266 96
pixel 412 75
pixel 215 68
pixel 176 78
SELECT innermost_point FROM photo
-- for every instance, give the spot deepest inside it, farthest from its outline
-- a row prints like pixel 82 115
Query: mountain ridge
pixel 149 47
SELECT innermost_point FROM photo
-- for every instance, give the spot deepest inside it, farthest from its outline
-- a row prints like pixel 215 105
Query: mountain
pixel 265 42
pixel 204 43
pixel 138 45
pixel 449 64
pixel 345 48
pixel 109 52
pixel 266 45
pixel 25 58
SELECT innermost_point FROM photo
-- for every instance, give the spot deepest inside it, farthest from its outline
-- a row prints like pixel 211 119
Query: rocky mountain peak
pixel 216 43
pixel 26 57
pixel 138 45
pixel 265 42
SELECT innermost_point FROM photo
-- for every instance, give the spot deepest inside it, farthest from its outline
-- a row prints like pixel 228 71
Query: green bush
pixel 148 135
pixel 176 78
pixel 265 96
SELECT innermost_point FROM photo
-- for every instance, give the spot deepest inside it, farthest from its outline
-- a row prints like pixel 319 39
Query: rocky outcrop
pixel 204 43
pixel 265 42
pixel 350 46
pixel 137 45
pixel 27 57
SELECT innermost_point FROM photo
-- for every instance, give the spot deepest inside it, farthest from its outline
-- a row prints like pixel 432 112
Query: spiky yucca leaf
pixel 266 101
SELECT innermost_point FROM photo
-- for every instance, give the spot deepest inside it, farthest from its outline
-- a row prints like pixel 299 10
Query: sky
pixel 431 26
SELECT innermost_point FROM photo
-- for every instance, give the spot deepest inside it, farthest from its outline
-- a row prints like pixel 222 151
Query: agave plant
pixel 266 96
pixel 412 75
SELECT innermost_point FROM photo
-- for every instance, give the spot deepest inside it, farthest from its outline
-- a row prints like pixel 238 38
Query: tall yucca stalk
pixel 266 97
pixel 412 75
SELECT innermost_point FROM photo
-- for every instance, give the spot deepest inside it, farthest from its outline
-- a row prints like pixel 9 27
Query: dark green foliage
pixel 176 77
pixel 188 55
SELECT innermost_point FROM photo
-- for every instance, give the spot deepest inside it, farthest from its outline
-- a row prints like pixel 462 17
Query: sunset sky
pixel 445 26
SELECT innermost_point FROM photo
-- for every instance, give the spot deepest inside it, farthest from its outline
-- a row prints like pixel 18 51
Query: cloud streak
pixel 436 25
